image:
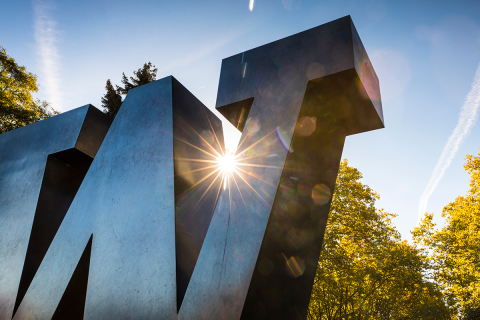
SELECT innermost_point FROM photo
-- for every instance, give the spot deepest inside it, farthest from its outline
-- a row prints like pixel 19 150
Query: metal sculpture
pixel 41 168
pixel 160 228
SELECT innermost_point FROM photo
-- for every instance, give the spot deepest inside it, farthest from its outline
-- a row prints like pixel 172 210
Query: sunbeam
pixel 227 163
pixel 229 167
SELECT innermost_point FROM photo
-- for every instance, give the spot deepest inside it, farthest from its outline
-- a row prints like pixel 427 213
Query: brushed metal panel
pixel 259 257
pixel 23 158
pixel 140 200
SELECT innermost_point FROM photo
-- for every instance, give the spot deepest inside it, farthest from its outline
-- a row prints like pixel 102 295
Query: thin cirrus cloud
pixel 46 38
pixel 466 121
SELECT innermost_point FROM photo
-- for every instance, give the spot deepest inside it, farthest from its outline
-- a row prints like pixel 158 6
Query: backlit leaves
pixel 365 270
pixel 17 105
pixel 454 249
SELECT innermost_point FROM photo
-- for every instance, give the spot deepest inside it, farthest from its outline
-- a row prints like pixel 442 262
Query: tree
pixel 454 250
pixel 17 105
pixel 143 76
pixel 112 100
pixel 365 270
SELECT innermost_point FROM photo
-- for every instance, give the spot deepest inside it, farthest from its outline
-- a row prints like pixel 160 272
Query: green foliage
pixel 17 105
pixel 454 250
pixel 365 270
pixel 112 100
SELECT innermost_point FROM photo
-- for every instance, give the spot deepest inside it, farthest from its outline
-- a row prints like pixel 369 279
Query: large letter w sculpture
pixel 137 219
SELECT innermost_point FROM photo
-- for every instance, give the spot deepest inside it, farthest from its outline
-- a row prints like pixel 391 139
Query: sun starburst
pixel 227 162
pixel 211 167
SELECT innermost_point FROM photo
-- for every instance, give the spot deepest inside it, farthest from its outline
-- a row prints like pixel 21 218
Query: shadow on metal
pixel 72 304
pixel 308 92
pixel 154 227
pixel 60 183
pixel 147 198
pixel 197 146
pixel 41 168
pixel 237 112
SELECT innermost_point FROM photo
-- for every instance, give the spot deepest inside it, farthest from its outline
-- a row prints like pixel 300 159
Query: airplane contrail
pixel 46 39
pixel 466 121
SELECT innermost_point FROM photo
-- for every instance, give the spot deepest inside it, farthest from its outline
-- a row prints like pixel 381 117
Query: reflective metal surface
pixel 198 145
pixel 309 92
pixel 127 206
pixel 41 168
pixel 156 227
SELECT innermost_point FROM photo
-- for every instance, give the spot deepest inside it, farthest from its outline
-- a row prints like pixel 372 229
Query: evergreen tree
pixel 112 100
pixel 144 75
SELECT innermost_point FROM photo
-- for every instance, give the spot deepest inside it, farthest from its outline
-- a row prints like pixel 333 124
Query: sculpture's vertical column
pixel 138 198
pixel 41 168
pixel 303 95
pixel 198 147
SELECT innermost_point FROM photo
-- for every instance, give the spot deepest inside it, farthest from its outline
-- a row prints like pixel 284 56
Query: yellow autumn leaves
pixel 453 251
pixel 365 270
pixel 17 105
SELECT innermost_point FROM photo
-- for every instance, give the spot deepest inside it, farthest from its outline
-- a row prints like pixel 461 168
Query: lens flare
pixel 248 165
pixel 305 126
pixel 282 137
pixel 227 162
pixel 321 194
pixel 295 267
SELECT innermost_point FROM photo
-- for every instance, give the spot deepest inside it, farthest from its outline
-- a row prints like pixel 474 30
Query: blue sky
pixel 425 54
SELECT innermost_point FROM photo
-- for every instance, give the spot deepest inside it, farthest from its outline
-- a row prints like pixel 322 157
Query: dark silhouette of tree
pixel 144 75
pixel 112 100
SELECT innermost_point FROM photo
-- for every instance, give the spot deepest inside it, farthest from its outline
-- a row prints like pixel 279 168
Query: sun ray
pixel 226 166
pixel 201 137
pixel 196 160
pixel 252 157
pixel 254 176
pixel 244 139
pixel 196 170
pixel 216 198
pixel 240 192
pixel 254 144
pixel 188 143
pixel 216 137
pixel 227 163
pixel 229 195
pixel 218 193
pixel 253 189
pixel 208 189
pixel 257 165
pixel 200 181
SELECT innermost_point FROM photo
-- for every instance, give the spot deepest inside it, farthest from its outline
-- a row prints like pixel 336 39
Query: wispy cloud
pixel 466 121
pixel 46 37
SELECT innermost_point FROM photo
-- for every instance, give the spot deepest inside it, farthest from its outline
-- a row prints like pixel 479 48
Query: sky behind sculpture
pixel 425 54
